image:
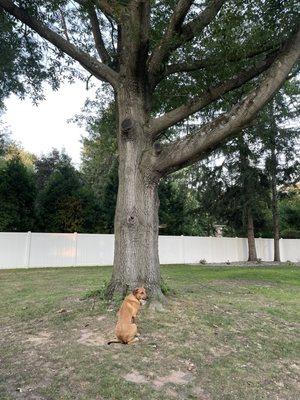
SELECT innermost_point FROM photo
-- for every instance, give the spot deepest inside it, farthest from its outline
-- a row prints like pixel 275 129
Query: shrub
pixel 290 234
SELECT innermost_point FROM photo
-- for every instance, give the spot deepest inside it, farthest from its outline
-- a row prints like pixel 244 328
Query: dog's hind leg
pixel 133 340
pixel 132 331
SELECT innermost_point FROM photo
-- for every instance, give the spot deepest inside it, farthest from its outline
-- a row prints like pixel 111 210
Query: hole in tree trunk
pixel 127 126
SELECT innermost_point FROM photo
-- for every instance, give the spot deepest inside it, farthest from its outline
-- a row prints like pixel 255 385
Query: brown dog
pixel 126 329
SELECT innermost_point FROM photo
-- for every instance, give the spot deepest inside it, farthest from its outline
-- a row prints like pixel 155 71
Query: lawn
pixel 226 333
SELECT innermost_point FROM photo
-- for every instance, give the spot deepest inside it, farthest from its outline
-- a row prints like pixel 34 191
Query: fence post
pixel 28 249
pixel 75 253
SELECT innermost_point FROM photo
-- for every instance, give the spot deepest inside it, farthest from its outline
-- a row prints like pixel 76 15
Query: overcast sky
pixel 40 128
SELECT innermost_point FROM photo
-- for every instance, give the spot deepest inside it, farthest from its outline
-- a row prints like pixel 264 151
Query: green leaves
pixel 64 202
pixel 17 196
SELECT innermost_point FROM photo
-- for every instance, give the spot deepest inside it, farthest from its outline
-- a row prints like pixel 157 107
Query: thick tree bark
pixel 252 256
pixel 136 261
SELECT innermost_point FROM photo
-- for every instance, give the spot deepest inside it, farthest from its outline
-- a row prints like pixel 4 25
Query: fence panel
pixel 19 250
pixel 94 249
pixel 53 250
pixel 171 249
pixel 13 250
pixel 196 248
pixel 290 249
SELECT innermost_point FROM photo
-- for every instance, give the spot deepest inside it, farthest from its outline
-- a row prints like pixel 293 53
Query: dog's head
pixel 140 293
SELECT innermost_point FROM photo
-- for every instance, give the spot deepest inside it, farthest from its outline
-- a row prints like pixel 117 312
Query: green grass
pixel 226 333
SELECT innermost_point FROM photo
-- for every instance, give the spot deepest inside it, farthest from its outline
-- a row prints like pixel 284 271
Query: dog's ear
pixel 135 291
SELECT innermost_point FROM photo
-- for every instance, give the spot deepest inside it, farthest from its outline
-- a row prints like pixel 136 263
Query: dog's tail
pixel 114 341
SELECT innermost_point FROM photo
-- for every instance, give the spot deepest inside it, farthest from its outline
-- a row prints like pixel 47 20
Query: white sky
pixel 40 128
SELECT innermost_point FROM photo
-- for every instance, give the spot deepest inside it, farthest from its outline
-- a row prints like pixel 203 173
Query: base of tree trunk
pixel 252 259
pixel 155 296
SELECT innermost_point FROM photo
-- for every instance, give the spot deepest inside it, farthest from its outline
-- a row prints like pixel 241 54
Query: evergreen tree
pixel 279 145
pixel 65 204
pixel 289 212
pixel 234 192
pixel 17 196
pixel 47 164
pixel 108 198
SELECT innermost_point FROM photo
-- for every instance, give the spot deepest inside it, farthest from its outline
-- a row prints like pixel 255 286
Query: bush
pixel 96 293
pixel 290 234
pixel 165 288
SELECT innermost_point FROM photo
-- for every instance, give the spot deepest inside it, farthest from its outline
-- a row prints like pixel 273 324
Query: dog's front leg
pixel 134 317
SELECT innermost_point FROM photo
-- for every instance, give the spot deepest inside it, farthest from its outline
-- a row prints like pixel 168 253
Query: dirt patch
pixel 90 338
pixel 26 392
pixel 101 318
pixel 201 394
pixel 176 377
pixel 41 338
pixel 221 351
pixel 171 393
pixel 135 377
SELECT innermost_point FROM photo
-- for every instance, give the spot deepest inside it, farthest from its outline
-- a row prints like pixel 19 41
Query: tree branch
pixel 64 24
pixel 213 93
pixel 112 33
pixel 161 52
pixel 205 139
pixel 100 70
pixel 176 34
pixel 108 8
pixel 192 28
pixel 196 65
pixel 133 41
pixel 99 43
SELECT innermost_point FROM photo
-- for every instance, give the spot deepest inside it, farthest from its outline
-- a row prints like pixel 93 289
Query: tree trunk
pixel 275 222
pixel 251 239
pixel 247 196
pixel 136 261
pixel 275 214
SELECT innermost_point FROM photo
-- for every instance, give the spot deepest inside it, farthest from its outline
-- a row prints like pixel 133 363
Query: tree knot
pixel 127 128
pixel 157 148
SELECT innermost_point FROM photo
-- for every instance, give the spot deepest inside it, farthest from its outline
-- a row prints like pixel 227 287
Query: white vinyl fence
pixel 29 250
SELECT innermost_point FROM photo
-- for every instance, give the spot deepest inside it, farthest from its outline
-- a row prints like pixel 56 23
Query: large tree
pixel 64 203
pixel 166 61
pixel 279 142
pixel 17 200
pixel 234 191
